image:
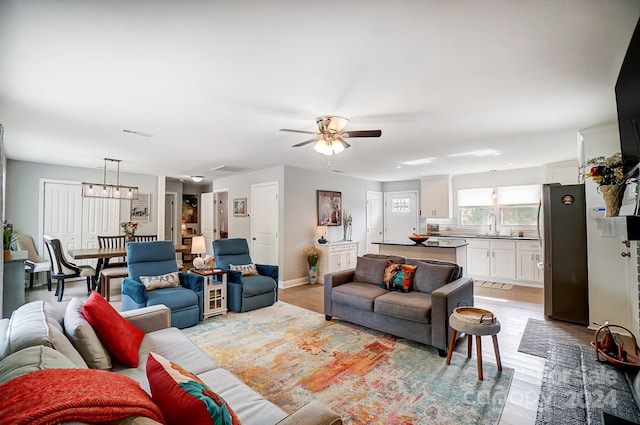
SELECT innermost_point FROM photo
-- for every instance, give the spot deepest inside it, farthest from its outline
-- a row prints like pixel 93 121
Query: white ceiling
pixel 214 81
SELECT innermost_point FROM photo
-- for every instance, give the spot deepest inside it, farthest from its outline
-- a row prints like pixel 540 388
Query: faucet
pixel 493 224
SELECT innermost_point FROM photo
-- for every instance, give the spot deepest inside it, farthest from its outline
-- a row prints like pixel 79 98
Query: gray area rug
pixel 577 389
pixel 538 334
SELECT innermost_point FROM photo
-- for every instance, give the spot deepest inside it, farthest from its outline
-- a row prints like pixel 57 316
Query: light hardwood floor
pixel 512 308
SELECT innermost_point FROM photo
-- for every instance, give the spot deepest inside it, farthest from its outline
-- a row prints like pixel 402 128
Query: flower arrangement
pixel 129 228
pixel 606 170
pixel 8 235
pixel 312 254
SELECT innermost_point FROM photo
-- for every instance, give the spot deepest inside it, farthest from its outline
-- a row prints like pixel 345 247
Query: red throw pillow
pixel 116 333
pixel 183 397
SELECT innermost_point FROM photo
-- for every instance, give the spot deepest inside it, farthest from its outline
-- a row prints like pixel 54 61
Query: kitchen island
pixel 454 250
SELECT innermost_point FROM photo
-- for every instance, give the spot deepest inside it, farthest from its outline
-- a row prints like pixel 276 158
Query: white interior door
pixel 62 218
pixel 400 215
pixel 375 223
pixel 264 223
pixel 170 217
pixel 207 211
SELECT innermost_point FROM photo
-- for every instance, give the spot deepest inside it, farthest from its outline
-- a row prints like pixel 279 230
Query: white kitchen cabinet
pixel 435 196
pixel 503 259
pixel 478 258
pixel 528 255
pixel 336 256
pixel 491 258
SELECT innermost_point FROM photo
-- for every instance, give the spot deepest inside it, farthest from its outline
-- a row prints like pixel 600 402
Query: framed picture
pixel 140 209
pixel 239 207
pixel 329 208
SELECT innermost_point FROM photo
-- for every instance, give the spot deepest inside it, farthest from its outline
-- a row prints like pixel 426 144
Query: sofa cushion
pixel 398 277
pixel 370 270
pixel 397 259
pixel 84 338
pixel 183 397
pixel 415 306
pixel 121 338
pixel 257 285
pixel 171 344
pixel 431 276
pixel 37 323
pixel 357 295
pixel 246 269
pixel 169 280
pixel 250 407
pixel 4 327
pixel 33 358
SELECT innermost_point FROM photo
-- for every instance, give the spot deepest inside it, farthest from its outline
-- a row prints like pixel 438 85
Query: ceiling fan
pixel 329 139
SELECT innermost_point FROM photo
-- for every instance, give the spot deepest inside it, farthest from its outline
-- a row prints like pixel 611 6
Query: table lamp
pixel 322 230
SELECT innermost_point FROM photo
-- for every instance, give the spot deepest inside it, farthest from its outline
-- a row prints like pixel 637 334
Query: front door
pixel 400 215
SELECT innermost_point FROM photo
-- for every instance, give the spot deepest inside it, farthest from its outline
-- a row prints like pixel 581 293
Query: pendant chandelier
pixel 109 191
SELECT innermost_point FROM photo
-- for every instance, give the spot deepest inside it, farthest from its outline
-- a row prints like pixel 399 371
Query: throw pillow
pixel 245 269
pixel 36 323
pixel 430 277
pixel 169 280
pixel 183 397
pixel 398 277
pixel 370 270
pixel 31 359
pixel 118 335
pixel 83 337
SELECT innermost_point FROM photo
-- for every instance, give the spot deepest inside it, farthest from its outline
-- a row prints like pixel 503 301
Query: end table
pixel 215 291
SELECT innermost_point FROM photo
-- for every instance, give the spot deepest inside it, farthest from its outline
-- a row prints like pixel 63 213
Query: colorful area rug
pixel 292 356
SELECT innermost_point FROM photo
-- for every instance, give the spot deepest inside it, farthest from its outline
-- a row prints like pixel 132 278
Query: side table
pixel 215 291
pixel 474 322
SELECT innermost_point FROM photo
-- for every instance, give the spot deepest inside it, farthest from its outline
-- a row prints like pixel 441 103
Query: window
pixel 514 205
pixel 401 205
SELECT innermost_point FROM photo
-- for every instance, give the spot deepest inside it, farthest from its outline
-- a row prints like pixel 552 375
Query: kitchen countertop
pixel 514 238
pixel 427 244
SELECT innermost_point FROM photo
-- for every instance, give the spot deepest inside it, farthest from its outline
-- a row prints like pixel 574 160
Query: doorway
pixel 400 215
pixel 221 214
pixel 171 217
pixel 375 223
pixel 264 223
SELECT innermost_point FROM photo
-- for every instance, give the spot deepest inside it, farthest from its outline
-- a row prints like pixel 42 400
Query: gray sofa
pixel 420 315
pixel 38 337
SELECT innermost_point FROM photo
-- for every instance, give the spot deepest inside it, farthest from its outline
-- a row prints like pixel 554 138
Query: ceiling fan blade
pixel 363 133
pixel 297 131
pixel 306 142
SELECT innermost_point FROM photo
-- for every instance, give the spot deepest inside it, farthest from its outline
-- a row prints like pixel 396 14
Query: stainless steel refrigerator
pixel 565 253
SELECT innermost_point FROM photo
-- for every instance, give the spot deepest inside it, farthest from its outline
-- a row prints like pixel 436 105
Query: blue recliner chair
pixel 245 293
pixel 155 259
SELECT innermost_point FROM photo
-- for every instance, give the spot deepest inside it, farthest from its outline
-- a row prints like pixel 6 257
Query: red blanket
pixel 87 395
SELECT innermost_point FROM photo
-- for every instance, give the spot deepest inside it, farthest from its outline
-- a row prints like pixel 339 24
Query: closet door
pixel 63 214
pixel 100 217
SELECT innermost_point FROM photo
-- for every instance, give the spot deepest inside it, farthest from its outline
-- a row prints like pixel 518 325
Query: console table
pixel 215 291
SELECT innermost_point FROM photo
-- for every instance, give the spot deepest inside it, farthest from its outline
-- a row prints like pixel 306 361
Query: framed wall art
pixel 140 209
pixel 329 208
pixel 239 207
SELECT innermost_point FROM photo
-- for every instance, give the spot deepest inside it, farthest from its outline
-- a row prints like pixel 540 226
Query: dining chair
pixel 113 270
pixel 145 238
pixel 34 263
pixel 63 269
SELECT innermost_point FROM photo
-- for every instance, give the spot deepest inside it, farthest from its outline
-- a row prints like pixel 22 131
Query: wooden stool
pixel 474 322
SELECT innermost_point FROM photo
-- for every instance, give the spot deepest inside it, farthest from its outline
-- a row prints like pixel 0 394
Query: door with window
pixel 400 215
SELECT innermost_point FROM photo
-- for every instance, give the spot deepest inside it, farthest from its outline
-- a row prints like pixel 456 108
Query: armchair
pixel 154 259
pixel 245 293
pixel 35 263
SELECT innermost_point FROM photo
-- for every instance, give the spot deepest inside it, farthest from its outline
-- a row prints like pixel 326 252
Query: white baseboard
pixel 293 282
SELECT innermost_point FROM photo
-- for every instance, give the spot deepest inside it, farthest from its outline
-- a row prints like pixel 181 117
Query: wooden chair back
pixel 113 242
pixel 145 238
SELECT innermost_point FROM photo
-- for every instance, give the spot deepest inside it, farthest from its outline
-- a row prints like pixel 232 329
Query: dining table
pixel 103 255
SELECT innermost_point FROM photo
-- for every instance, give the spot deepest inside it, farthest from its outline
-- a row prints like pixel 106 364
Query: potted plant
pixel 312 254
pixel 607 173
pixel 8 237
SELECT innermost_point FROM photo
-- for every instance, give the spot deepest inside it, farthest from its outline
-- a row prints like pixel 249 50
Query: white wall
pixel 611 288
pixel 23 197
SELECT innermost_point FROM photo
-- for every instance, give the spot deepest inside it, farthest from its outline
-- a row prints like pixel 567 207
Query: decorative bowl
pixel 418 239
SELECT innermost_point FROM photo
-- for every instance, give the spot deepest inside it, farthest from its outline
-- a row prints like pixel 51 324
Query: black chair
pixel 63 269
pixel 145 238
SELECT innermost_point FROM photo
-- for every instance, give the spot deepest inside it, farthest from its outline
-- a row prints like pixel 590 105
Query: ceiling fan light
pixel 197 179
pixel 338 146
